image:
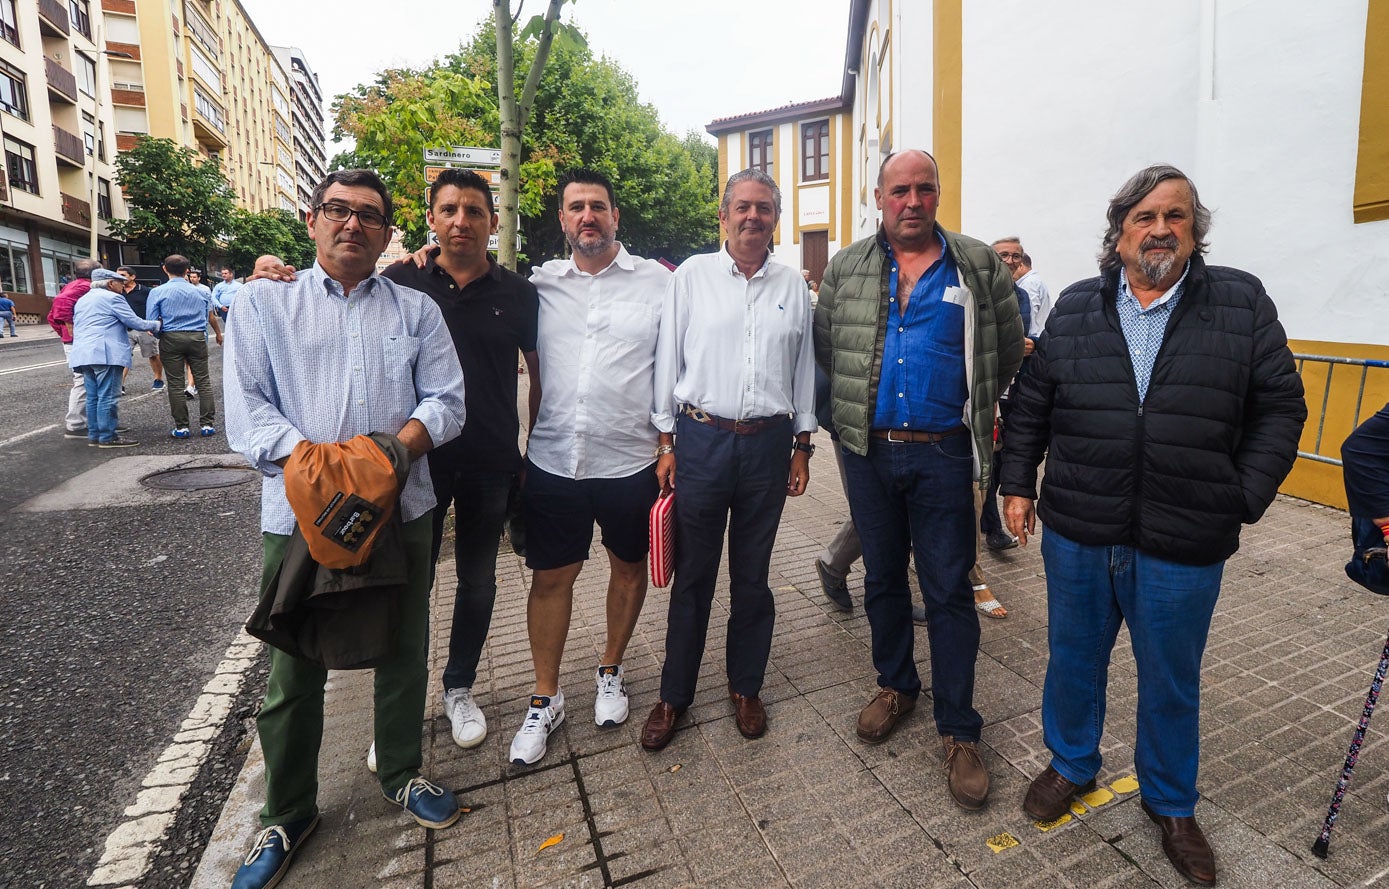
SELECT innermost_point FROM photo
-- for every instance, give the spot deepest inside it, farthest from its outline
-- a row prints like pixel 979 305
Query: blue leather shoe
pixel 269 858
pixel 428 803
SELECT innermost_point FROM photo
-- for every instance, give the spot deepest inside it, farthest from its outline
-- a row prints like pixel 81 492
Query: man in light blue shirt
pixel 225 290
pixel 185 311
pixel 341 352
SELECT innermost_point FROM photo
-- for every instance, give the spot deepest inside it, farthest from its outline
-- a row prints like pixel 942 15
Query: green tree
pixel 179 203
pixel 586 112
pixel 270 231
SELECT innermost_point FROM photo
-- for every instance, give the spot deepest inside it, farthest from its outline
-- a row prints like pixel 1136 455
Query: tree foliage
pixel 586 111
pixel 179 203
pixel 278 232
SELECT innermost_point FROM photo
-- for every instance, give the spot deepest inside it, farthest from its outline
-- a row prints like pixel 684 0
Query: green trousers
pixel 291 719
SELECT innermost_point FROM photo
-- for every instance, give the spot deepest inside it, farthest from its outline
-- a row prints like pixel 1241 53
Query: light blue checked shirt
pixel 306 363
pixel 1145 328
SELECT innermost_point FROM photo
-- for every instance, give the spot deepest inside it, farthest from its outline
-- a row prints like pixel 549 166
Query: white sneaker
pixel 544 716
pixel 610 705
pixel 469 725
pixel 371 758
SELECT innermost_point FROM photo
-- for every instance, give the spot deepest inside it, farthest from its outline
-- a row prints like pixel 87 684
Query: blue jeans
pixel 920 496
pixel 1168 607
pixel 479 500
pixel 7 318
pixel 738 482
pixel 103 382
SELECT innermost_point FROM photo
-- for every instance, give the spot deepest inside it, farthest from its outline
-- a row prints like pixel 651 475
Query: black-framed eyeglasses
pixel 1001 254
pixel 370 219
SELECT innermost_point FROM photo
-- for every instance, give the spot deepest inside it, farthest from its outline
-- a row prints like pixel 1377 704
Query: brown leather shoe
pixel 750 715
pixel 965 773
pixel 1049 797
pixel 660 726
pixel 1186 846
pixel 876 721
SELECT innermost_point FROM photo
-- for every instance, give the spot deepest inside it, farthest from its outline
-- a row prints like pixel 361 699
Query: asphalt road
pixel 114 616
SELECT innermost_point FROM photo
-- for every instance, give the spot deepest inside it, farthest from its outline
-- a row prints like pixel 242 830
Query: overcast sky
pixel 728 57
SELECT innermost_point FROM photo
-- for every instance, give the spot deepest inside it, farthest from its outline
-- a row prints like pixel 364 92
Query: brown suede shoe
pixel 1049 797
pixel 876 721
pixel 660 726
pixel 965 773
pixel 1186 846
pixel 750 715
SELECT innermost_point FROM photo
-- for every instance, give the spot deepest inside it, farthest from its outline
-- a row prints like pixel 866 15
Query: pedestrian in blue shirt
pixel 6 314
pixel 101 351
pixel 185 311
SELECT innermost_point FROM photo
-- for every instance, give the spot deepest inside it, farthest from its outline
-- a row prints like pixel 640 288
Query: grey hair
pixel 1135 190
pixel 83 268
pixel 751 174
pixel 1011 239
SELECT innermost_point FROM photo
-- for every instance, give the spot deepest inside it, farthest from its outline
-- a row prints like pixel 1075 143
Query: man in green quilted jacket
pixel 918 329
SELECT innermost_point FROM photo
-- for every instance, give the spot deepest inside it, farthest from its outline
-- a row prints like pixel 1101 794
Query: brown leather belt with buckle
pixel 912 436
pixel 737 427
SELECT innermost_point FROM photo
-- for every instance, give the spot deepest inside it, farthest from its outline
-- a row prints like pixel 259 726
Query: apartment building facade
pixel 57 194
pixel 310 137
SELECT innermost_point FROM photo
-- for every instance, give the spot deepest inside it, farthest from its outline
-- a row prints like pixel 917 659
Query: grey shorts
pixel 149 346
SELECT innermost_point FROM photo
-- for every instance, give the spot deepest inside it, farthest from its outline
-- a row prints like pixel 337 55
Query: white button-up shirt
pixel 737 347
pixel 1040 299
pixel 597 346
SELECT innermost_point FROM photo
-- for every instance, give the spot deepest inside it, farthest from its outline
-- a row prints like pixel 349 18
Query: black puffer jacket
pixel 1205 452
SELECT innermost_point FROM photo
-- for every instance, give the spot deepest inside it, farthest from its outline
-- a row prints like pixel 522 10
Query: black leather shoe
pixel 834 588
pixel 1186 846
pixel 1049 796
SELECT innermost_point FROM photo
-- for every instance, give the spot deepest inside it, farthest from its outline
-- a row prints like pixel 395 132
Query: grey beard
pixel 1156 270
pixel 593 248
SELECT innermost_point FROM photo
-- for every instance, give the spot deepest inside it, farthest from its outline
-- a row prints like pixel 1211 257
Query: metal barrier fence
pixel 1331 360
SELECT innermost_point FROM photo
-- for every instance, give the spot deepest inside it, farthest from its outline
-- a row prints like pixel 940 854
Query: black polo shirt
pixel 490 320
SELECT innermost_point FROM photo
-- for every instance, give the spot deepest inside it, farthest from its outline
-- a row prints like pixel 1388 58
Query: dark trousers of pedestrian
pixel 291 719
pixel 734 482
pixel 1365 455
pixel 103 386
pixel 844 550
pixel 989 521
pixel 479 510
pixel 1167 606
pixel 920 496
pixel 177 347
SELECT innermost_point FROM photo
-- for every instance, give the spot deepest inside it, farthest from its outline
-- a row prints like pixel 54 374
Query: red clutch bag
pixel 663 540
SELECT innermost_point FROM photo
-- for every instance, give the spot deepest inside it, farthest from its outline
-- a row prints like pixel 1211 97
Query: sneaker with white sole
pixel 371 758
pixel 610 704
pixel 544 716
pixel 469 725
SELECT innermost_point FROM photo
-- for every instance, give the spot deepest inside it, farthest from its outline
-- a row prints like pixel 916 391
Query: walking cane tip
pixel 1320 848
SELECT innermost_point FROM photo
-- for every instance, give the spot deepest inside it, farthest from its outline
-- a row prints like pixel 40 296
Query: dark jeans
pixel 177 347
pixel 738 481
pixel 103 382
pixel 1366 457
pixel 479 500
pixel 920 496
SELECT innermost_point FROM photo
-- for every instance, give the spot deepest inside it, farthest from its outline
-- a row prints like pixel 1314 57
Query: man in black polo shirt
pixel 138 296
pixel 491 313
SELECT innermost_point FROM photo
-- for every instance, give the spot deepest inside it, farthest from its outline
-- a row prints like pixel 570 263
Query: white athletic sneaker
pixel 371 758
pixel 610 705
pixel 544 716
pixel 469 725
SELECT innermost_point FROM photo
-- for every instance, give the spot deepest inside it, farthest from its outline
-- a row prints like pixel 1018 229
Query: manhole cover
pixel 199 478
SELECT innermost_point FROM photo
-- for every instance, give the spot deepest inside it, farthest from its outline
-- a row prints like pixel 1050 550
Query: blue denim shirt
pixel 923 384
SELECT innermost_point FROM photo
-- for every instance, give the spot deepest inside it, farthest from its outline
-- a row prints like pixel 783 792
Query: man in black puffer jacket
pixel 1168 406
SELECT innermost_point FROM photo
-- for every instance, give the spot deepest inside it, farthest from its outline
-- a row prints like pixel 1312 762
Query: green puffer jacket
pixel 852 316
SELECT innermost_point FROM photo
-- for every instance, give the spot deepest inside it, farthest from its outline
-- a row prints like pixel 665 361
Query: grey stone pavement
pixel 1292 651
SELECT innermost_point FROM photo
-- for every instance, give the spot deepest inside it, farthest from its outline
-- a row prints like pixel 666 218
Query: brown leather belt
pixel 737 427
pixel 912 436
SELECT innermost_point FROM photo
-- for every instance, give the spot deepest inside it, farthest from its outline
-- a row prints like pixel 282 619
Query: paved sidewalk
pixel 1291 654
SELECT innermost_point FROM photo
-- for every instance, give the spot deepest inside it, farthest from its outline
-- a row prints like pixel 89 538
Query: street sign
pixel 493 177
pixel 464 154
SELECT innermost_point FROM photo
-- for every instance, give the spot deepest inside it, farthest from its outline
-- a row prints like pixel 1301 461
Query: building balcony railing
pixel 124 7
pixel 202 31
pixel 128 97
pixel 62 84
pixel 76 210
pixel 69 147
pixel 53 18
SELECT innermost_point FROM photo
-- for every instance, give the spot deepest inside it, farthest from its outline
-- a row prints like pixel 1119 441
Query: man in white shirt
pixel 591 453
pixel 735 404
pixel 1010 250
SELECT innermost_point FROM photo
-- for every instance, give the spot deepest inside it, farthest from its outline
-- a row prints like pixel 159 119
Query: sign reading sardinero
pixel 464 154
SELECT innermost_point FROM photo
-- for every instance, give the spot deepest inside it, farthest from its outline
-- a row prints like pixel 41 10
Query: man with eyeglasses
pixel 341 352
pixel 1010 250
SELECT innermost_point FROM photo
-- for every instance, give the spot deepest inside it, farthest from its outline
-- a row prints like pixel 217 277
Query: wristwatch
pixel 805 446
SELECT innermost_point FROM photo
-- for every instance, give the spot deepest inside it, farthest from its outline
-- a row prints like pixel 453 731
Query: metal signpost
pixel 486 162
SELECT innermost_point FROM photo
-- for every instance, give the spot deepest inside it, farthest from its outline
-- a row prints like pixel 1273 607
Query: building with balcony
pixel 188 58
pixel 310 141
pixel 56 196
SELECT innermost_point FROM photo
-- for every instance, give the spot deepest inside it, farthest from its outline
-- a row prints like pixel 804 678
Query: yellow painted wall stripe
pixel 948 57
pixel 1372 163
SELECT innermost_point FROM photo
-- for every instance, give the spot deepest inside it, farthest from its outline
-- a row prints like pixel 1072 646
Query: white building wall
pixel 1258 102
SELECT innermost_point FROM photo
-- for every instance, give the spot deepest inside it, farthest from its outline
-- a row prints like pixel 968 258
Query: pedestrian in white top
pixel 591 454
pixel 735 396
